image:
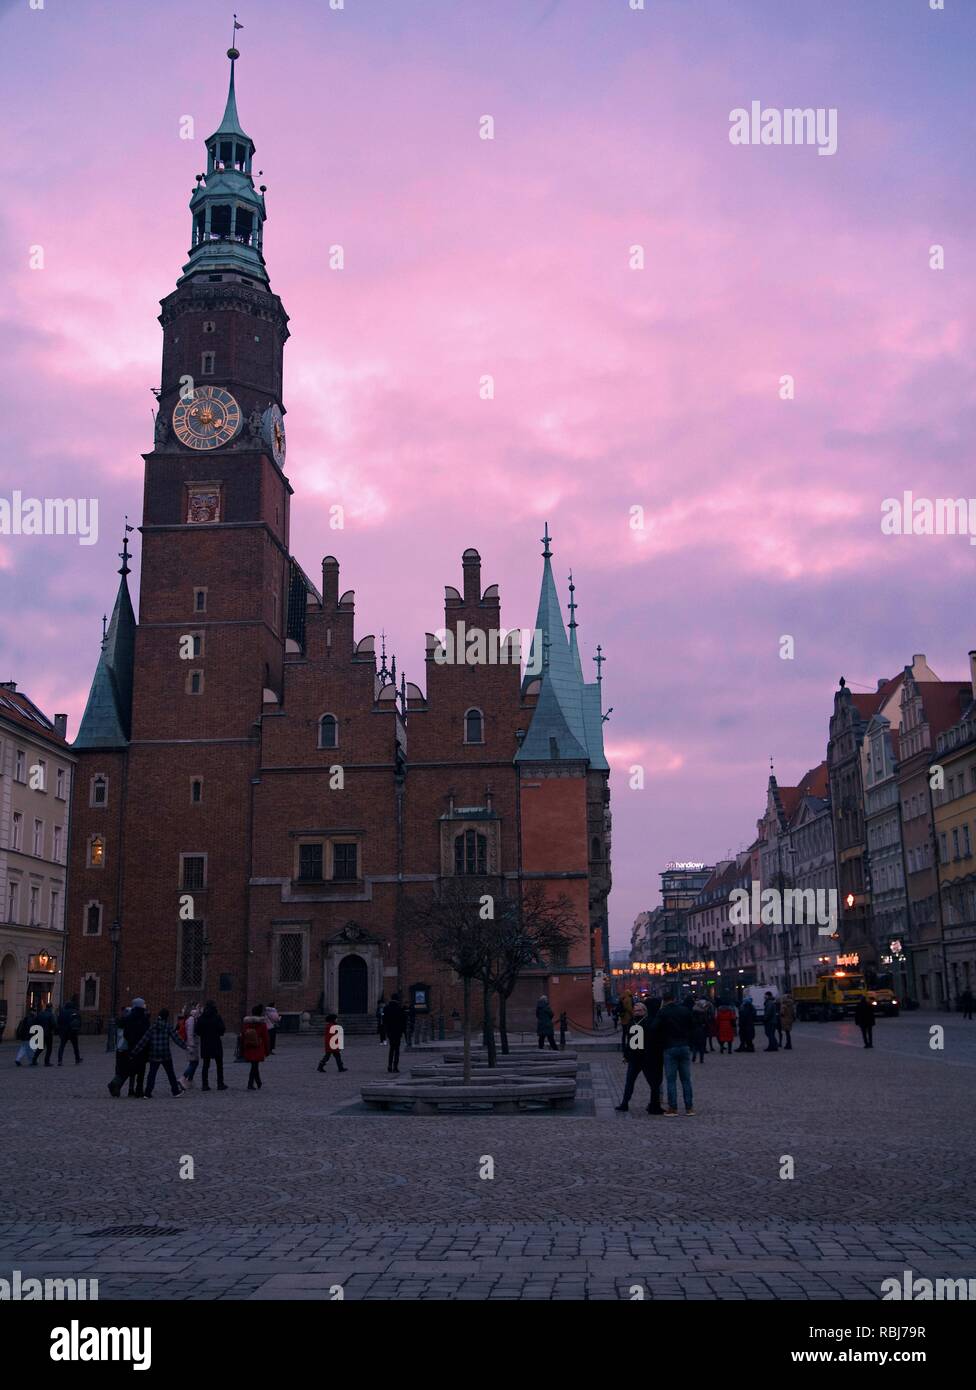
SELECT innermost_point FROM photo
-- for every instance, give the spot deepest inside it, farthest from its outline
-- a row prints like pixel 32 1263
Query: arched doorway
pixel 353 985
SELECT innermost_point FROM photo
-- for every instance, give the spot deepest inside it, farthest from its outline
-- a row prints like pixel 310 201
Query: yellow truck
pixel 836 995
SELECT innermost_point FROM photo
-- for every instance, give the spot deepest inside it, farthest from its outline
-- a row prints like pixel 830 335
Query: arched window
pixel 328 731
pixel 474 726
pixel 99 790
pixel 96 852
pixel 470 853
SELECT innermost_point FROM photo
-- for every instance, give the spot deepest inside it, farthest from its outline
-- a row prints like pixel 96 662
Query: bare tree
pixel 537 931
pixel 452 927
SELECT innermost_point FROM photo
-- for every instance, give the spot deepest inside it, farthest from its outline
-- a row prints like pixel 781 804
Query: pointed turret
pixel 573 645
pixel 228 212
pixel 556 731
pixel 107 720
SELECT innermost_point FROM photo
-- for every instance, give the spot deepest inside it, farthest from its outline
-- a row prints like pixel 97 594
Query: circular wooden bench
pixel 504 1093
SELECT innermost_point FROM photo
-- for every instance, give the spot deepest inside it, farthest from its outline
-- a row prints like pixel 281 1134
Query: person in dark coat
pixel 700 1019
pixel 645 1057
pixel 134 1028
pixel 747 1027
pixel 394 1021
pixel 156 1041
pixel 770 1022
pixel 46 1019
pixel 967 1001
pixel 673 1026
pixel 122 1058
pixel 26 1052
pixel 543 1023
pixel 210 1030
pixel 69 1028
pixel 864 1018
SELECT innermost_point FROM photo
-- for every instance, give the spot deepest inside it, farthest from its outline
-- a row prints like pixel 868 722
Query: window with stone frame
pixel 471 853
pixel 474 726
pixel 193 870
pixel 93 919
pixel 89 992
pixel 291 958
pixel 191 955
pixel 328 731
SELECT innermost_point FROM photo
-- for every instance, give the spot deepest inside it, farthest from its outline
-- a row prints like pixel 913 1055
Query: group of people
pixel 143 1047
pixel 66 1025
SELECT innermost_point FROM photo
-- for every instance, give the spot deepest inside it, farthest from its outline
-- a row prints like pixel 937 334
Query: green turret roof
pixel 107 720
pixel 230 123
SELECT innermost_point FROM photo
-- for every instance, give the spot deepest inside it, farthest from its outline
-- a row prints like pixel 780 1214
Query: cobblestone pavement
pixel 299 1188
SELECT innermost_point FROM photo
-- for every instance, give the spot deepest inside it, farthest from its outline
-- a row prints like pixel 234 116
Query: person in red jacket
pixel 333 1042
pixel 254 1044
pixel 725 1026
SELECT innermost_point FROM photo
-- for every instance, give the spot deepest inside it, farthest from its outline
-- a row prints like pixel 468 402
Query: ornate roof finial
pixel 124 552
pixel 546 538
pixel 599 659
pixel 104 627
pixel 572 601
pixel 383 671
pixel 393 669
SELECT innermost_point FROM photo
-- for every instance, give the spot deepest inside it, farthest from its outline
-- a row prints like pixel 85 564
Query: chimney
pixel 330 582
pixel 8 685
pixel 61 725
pixel 471 561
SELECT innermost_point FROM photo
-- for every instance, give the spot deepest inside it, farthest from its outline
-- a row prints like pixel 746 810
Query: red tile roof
pixel 18 709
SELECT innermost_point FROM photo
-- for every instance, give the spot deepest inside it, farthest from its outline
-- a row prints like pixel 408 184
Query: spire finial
pixel 599 659
pixel 233 52
pixel 546 538
pixel 383 670
pixel 104 627
pixel 572 601
pixel 124 552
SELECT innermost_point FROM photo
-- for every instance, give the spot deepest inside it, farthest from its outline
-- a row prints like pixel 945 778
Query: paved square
pixel 299 1188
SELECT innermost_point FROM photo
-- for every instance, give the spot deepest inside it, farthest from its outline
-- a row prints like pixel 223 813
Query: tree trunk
pixel 466 1029
pixel 503 1021
pixel 490 1026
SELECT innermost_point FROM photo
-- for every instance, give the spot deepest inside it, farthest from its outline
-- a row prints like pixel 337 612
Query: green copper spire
pixel 107 720
pixel 228 212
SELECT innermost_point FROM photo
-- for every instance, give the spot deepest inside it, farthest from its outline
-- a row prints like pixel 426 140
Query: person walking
pixel 26 1052
pixel 644 1057
pixel 625 1013
pixel 747 1027
pixel 273 1018
pixel 155 1043
pixel 770 1019
pixel 122 1058
pixel 47 1021
pixel 864 1018
pixel 725 1026
pixel 380 1007
pixel 699 1029
pixel 966 1000
pixel 254 1044
pixel 69 1028
pixel 333 1042
pixel 192 1044
pixel 787 1017
pixel 134 1029
pixel 543 1023
pixel 674 1026
pixel 209 1030
pixel 394 1021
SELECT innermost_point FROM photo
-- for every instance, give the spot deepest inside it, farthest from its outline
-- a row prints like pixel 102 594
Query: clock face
pixel 274 433
pixel 211 419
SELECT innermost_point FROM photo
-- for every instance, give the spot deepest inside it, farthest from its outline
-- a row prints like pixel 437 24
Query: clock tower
pixel 215 563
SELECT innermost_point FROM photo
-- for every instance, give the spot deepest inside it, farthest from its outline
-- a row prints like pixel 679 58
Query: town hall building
pixel 257 792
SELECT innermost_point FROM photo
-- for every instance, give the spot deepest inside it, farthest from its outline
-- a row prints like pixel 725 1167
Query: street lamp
pixel 114 932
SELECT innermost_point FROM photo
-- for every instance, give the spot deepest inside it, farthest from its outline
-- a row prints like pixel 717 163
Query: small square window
pixel 193 871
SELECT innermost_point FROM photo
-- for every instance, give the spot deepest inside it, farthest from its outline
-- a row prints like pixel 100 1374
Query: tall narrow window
pixel 35 905
pixel 13 901
pixel 55 909
pixel 291 958
pixel 96 852
pixel 17 831
pixel 474 726
pixel 193 871
pixel 310 863
pixel 99 791
pixel 196 790
pixel 199 600
pixel 58 844
pixel 344 862
pixel 20 766
pixel 89 992
pixel 38 848
pixel 328 731
pixel 470 853
pixel 61 784
pixel 191 955
pixel 207 363
pixel 93 919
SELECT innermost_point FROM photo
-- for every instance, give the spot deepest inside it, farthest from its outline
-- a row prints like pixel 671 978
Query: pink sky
pixel 614 388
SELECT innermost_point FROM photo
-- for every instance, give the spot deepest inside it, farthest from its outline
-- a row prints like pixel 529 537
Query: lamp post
pixel 114 931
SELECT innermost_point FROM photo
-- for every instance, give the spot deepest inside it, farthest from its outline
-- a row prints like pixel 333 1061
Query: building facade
pixel 270 794
pixel 36 776
pixel 954 805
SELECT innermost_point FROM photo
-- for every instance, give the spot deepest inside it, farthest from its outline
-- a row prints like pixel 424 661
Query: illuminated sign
pixel 42 964
pixel 656 967
pixel 683 864
pixel 851 959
